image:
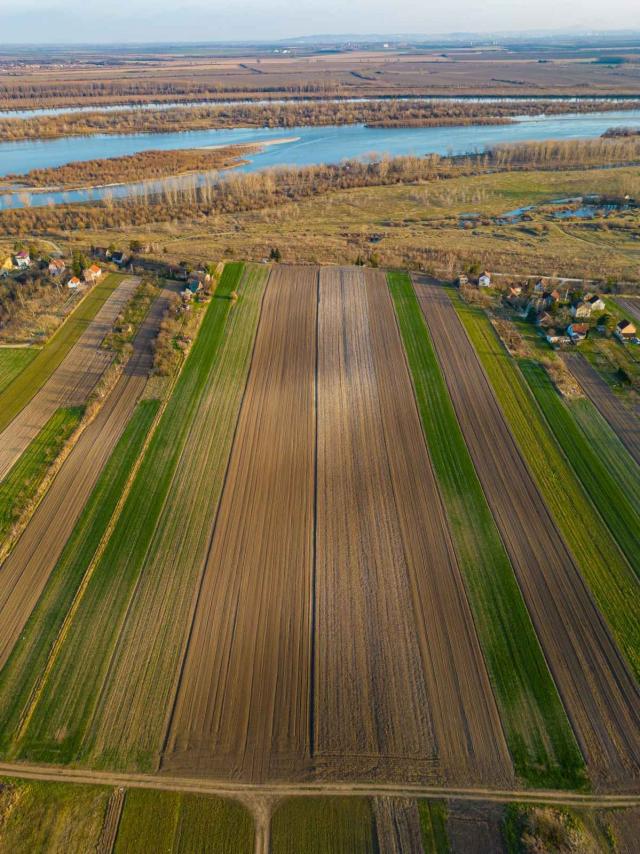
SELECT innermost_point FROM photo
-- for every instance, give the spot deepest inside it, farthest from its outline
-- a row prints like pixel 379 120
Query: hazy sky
pixel 211 20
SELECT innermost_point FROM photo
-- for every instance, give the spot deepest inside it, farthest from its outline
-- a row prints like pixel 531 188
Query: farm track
pixel 72 381
pixel 26 570
pixel 276 790
pixel 625 424
pixel 601 697
pixel 401 686
pixel 242 706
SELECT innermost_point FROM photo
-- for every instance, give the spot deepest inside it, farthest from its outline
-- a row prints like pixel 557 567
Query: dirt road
pixel 24 573
pixel 623 422
pixel 243 702
pixel 599 694
pixel 72 381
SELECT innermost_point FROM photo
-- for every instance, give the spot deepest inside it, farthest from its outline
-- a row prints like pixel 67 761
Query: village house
pixel 545 320
pixel 553 336
pixel 596 303
pixel 484 281
pixel 581 309
pixel 56 267
pixel 22 260
pixel 92 273
pixel 577 332
pixel 625 330
pixel 73 282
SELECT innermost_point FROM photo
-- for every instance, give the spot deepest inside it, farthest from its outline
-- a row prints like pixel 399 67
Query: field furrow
pixel 601 697
pixel 540 739
pixel 401 685
pixel 24 573
pixel 72 381
pixel 242 706
pixel 130 720
pixel 625 424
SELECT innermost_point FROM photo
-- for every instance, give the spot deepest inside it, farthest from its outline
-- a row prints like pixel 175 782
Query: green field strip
pixel 544 750
pixel 50 817
pixel 61 717
pixel 608 498
pixel 433 826
pixel 606 572
pixel 183 824
pixel 611 451
pixel 131 717
pixel 331 825
pixel 20 487
pixel 13 360
pixel 28 659
pixel 19 392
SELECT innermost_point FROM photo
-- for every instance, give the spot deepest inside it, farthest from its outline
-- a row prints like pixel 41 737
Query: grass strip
pixel 12 361
pixel 608 498
pixel 40 816
pixel 331 825
pixel 433 826
pixel 29 656
pixel 20 486
pixel 538 732
pixel 60 719
pixel 183 824
pixel 609 577
pixel 19 392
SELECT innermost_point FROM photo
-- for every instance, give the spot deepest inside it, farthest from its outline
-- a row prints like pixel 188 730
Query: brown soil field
pixel 332 633
pixel 599 694
pixel 401 686
pixel 26 570
pixel 625 424
pixel 474 827
pixel 71 383
pixel 242 707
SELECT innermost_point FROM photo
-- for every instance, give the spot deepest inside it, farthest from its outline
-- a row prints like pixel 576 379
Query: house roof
pixel 94 269
pixel 593 299
pixel 579 328
pixel 74 279
pixel 626 326
pixel 57 262
pixel 22 254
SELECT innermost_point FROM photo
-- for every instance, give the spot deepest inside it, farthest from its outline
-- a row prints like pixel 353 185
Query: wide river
pixel 306 146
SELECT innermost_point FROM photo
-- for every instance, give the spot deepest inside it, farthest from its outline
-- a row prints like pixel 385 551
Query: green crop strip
pixel 540 739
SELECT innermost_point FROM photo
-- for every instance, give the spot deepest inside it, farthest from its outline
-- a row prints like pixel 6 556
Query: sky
pixel 97 21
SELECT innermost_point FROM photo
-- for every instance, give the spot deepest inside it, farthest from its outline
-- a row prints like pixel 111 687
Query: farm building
pixel 484 281
pixel 73 282
pixel 577 332
pixel 92 273
pixel 22 260
pixel 625 330
pixel 56 267
pixel 581 309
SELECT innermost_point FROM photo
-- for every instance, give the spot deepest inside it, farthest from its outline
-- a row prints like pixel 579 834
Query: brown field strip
pixel 599 694
pixel 401 686
pixel 623 422
pixel 242 707
pixel 72 381
pixel 26 570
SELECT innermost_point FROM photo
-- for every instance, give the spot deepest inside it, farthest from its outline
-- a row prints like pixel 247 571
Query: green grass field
pixel 609 577
pixel 20 486
pixel 39 817
pixel 183 824
pixel 433 824
pixel 29 656
pixel 12 361
pixel 62 716
pixel 540 739
pixel 26 383
pixel 611 451
pixel 323 826
pixel 600 485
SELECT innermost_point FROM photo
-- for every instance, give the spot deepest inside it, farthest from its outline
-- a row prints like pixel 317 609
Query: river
pixel 305 146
